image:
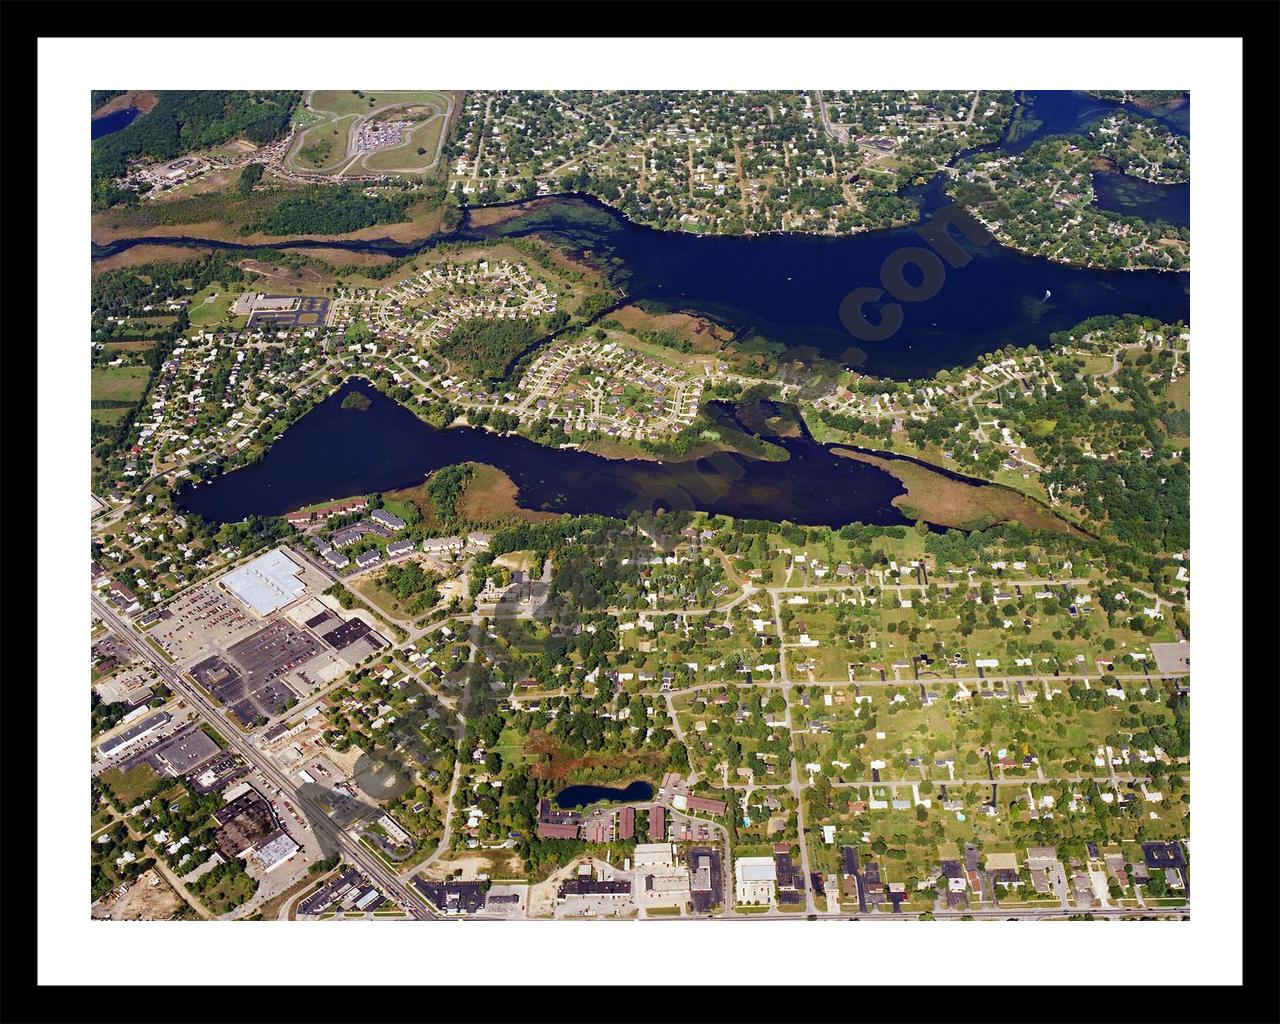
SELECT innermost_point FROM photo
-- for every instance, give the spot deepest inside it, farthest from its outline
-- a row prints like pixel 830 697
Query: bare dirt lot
pixel 542 897
pixel 150 899
pixel 289 275
pixel 144 101
pixel 494 863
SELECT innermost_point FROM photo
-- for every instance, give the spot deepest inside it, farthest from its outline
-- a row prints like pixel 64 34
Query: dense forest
pixel 445 488
pixel 487 347
pixel 326 210
pixel 185 120
pixel 249 177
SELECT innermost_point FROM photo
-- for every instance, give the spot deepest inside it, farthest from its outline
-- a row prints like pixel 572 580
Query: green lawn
pixel 203 313
pixel 511 746
pixel 229 893
pixel 129 786
pixel 1093 364
pixel 108 415
pixel 118 383
pixel 344 101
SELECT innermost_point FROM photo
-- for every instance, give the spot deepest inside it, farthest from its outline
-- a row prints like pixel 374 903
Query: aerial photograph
pixel 538 505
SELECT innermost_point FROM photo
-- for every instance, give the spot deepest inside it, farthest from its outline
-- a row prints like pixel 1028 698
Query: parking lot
pixel 588 906
pixel 272 652
pixel 203 618
pixel 310 311
pixel 244 696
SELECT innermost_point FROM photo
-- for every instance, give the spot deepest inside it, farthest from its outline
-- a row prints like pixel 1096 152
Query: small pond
pixel 583 796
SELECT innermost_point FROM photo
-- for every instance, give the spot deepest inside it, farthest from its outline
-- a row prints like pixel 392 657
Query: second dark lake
pixel 1135 197
pixel 333 452
pixel 113 122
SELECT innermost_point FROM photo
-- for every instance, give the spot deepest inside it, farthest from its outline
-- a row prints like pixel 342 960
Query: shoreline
pixel 951 503
pixel 401 233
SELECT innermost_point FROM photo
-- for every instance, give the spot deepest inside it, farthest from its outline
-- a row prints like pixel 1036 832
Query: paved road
pixel 839 133
pixel 969 681
pixel 352 156
pixel 993 913
pixel 350 846
pixel 794 785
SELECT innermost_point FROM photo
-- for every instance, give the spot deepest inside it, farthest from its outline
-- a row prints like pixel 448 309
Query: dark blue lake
pixel 108 123
pixel 333 452
pixel 583 796
pixel 788 288
pixel 1041 113
pixel 1134 197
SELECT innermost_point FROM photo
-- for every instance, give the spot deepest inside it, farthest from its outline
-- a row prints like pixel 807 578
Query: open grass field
pixel 511 746
pixel 406 158
pixel 1093 365
pixel 118 383
pixel 345 101
pixel 129 786
pixel 324 147
pixel 137 345
pixel 210 307
pixel 110 416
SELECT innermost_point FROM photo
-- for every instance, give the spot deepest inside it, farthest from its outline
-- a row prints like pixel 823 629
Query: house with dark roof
pixel 789 876
pixel 452 898
pixel 556 824
pixel 612 888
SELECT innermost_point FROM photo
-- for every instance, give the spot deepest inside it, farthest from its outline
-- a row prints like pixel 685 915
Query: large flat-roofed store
pixel 269 582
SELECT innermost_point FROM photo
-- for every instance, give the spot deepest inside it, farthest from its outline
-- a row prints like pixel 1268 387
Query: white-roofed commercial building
pixel 269 582
pixel 754 879
pixel 648 855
